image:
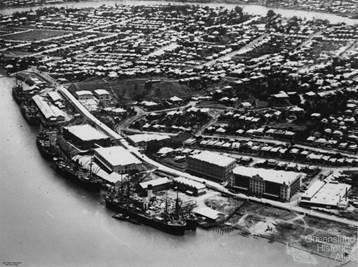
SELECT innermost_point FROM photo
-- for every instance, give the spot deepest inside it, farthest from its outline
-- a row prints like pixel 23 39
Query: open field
pixel 135 89
pixel 305 233
pixel 34 35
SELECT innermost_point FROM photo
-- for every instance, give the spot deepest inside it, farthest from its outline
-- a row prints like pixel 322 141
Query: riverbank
pixel 235 2
pixel 254 9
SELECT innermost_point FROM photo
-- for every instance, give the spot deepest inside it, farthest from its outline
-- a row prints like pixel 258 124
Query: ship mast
pixel 177 204
pixel 166 204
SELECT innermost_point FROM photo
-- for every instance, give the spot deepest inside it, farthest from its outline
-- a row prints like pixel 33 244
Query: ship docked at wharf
pixel 46 144
pixel 30 113
pixel 150 211
pixel 75 173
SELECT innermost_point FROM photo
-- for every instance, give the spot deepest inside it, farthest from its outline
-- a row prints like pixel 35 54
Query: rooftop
pixel 86 132
pixel 330 194
pixel 274 176
pixel 137 138
pixel 155 182
pixel 101 92
pixel 214 158
pixel 117 156
pixel 191 183
pixel 83 92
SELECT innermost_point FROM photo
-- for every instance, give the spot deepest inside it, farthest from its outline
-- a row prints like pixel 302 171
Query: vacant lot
pixel 135 89
pixel 33 35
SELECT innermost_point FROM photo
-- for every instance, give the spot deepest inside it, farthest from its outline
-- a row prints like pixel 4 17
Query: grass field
pixel 134 89
pixel 33 35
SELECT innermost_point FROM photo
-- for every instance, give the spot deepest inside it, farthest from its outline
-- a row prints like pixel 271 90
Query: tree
pixel 270 13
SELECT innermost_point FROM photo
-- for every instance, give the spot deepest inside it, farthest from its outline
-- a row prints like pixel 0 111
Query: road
pixel 253 44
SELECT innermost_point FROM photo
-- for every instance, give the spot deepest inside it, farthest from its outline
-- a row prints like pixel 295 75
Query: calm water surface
pixel 45 221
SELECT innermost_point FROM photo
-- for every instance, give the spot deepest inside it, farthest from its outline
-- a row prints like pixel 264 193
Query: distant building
pixel 189 186
pixel 103 96
pixel 211 165
pixel 141 140
pixel 116 159
pixel 85 136
pixel 268 183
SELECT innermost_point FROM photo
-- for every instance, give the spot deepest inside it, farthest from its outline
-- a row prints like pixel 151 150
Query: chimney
pixel 149 192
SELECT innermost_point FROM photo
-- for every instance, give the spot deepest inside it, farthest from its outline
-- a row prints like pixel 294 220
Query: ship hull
pixel 173 229
pixel 69 174
pixel 31 119
pixel 17 95
pixel 45 152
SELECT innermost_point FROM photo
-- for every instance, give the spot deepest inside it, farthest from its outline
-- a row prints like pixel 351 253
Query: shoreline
pixel 214 2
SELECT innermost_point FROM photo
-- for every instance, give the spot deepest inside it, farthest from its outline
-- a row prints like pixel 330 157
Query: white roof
pixel 86 132
pixel 117 156
pixel 101 92
pixel 175 99
pixel 207 212
pixel 55 96
pixel 155 182
pixel 119 110
pixel 214 158
pixel 83 92
pixel 313 189
pixel 189 182
pixel 274 176
pixel 47 109
pixel 137 138
pixel 330 194
pixel 85 162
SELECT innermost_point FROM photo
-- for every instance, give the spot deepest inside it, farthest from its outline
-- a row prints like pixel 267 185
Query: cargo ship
pixel 18 93
pixel 30 114
pixel 43 141
pixel 77 174
pixel 145 211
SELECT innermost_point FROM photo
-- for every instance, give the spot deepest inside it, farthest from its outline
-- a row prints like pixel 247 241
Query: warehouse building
pixel 50 114
pixel 116 159
pixel 159 184
pixel 331 195
pixel 190 187
pixel 274 184
pixel 85 136
pixel 211 165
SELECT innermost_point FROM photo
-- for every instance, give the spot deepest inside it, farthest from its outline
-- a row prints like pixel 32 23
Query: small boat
pixel 121 217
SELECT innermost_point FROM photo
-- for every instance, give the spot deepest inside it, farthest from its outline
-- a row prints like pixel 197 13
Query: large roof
pixel 330 194
pixel 155 182
pixel 117 156
pixel 48 110
pixel 86 132
pixel 191 183
pixel 137 138
pixel 214 158
pixel 274 176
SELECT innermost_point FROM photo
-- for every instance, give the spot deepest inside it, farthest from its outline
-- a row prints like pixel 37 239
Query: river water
pixel 46 221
